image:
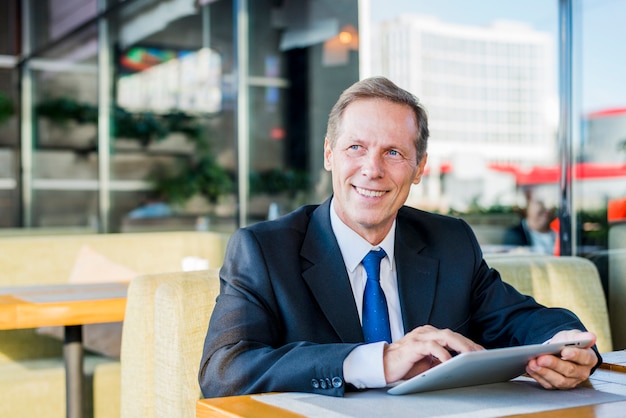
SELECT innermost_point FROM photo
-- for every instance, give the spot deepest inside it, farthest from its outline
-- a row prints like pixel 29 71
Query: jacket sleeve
pixel 246 349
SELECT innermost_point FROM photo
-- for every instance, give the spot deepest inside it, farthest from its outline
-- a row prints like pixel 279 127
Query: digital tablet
pixel 479 367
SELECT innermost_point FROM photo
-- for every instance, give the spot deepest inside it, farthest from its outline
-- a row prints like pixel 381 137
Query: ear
pixel 328 155
pixel 420 170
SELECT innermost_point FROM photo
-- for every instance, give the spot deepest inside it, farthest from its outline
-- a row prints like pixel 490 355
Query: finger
pixel 550 379
pixel 414 352
pixel 575 363
pixel 584 357
pixel 445 338
pixel 554 373
pixel 536 372
pixel 571 335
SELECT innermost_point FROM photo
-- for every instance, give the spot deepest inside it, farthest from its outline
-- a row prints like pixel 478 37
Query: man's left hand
pixel 570 369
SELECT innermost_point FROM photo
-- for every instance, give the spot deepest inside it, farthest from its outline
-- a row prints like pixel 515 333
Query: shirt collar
pixel 354 247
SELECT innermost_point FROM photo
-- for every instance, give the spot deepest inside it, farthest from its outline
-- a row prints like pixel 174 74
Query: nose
pixel 373 165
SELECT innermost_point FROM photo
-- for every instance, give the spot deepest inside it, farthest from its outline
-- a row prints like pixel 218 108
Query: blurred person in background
pixel 534 230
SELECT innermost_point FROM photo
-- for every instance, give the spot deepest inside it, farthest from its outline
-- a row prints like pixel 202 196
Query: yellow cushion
pixel 51 259
pixel 106 390
pixel 567 282
pixel 25 344
pixel 92 267
pixel 36 388
pixel 138 341
pixel 182 311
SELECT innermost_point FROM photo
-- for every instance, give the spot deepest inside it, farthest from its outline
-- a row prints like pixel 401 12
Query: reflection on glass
pixel 161 80
pixel 601 184
pixel 486 74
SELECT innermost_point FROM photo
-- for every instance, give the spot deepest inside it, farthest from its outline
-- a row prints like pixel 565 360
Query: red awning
pixel 548 175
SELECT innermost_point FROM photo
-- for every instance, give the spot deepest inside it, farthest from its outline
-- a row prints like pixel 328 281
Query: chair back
pixel 565 282
pixel 167 316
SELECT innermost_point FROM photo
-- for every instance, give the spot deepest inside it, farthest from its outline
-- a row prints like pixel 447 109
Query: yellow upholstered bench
pixel 32 373
pixel 567 282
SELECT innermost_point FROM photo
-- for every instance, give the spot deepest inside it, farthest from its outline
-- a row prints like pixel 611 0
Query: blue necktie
pixel 375 313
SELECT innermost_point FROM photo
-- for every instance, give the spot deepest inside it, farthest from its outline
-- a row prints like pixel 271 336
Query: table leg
pixel 73 355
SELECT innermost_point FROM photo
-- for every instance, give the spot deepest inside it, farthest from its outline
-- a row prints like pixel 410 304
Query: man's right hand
pixel 421 349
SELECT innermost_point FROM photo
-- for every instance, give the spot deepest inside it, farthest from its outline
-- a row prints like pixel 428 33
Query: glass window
pixel 485 162
pixel 174 129
pixel 303 54
pixel 64 76
pixel 600 185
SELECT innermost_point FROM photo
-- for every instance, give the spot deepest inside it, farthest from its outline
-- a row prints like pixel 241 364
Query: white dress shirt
pixel 364 365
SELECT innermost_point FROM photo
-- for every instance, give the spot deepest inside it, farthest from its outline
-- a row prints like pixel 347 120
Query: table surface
pixel 611 378
pixel 62 304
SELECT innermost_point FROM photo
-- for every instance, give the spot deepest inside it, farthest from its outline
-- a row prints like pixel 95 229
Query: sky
pixel 602 35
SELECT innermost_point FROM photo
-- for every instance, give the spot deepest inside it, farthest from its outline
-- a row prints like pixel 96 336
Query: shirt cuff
pixel 363 367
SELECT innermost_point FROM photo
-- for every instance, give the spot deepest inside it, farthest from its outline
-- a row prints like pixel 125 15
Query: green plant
pixel 594 227
pixel 198 175
pixel 6 108
pixel 278 181
pixel 144 127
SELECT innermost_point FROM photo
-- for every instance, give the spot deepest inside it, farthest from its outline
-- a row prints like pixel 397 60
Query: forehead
pixel 379 117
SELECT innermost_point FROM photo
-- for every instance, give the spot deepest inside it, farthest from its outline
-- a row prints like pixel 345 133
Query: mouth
pixel 369 193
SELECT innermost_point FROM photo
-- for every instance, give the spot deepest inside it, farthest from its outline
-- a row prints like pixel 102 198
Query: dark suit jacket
pixel 286 318
pixel 517 235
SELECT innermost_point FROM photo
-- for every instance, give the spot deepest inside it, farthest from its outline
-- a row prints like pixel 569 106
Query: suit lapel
pixel 417 277
pixel 327 278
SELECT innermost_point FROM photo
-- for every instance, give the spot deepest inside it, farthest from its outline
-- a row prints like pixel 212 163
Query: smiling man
pixel 362 291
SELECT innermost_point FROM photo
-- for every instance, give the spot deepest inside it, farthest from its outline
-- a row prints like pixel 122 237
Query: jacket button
pixel 315 383
pixel 323 384
pixel 329 384
pixel 337 382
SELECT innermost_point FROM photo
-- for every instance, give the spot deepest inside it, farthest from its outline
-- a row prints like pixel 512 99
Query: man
pixel 534 230
pixel 288 317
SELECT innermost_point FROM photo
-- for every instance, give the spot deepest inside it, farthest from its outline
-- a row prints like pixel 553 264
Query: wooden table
pixel 68 305
pixel 610 378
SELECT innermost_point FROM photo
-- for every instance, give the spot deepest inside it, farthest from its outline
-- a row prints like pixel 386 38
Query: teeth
pixel 369 193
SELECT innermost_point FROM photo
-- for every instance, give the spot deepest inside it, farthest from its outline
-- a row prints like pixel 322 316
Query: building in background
pixel 491 98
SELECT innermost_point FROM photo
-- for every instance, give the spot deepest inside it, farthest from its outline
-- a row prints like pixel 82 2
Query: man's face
pixel 373 164
pixel 538 216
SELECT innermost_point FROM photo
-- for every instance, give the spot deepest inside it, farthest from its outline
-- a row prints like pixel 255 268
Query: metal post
pixel 243 99
pixel 104 119
pixel 73 355
pixel 27 119
pixel 206 25
pixel 567 216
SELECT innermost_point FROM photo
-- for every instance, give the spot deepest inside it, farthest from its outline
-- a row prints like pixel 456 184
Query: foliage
pixel 145 127
pixel 64 109
pixel 595 227
pixel 475 209
pixel 277 181
pixel 198 175
pixel 202 176
pixel 6 108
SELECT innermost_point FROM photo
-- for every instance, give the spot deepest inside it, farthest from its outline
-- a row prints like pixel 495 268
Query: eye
pixel 395 154
pixel 355 150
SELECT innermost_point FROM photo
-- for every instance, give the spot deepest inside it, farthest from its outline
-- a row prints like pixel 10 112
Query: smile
pixel 368 193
